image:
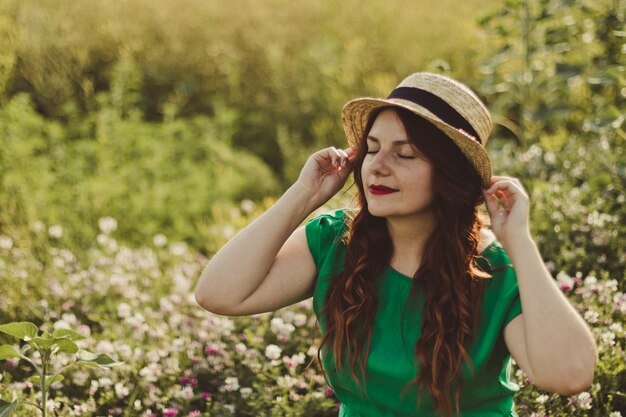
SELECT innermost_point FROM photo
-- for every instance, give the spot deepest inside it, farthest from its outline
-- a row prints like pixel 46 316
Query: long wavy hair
pixel 448 277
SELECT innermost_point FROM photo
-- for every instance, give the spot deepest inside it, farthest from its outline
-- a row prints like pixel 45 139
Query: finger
pixel 517 181
pixel 504 185
pixel 336 157
pixel 491 203
pixel 344 158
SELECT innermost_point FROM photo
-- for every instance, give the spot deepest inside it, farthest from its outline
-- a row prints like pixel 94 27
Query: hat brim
pixel 356 113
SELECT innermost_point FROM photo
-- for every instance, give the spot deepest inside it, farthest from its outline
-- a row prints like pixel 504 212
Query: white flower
pixel 38 226
pixel 55 231
pixel 79 410
pixel 542 399
pixel 107 225
pixel 245 392
pixel 591 316
pixel 121 391
pixel 582 400
pixel 281 328
pixel 6 242
pixel 52 405
pixel 615 414
pixel 123 310
pixel 247 205
pixel 608 338
pixel 105 382
pixel 186 393
pixel 159 240
pixel 565 282
pixel 273 352
pixel 80 377
pixel 591 281
pixel 231 384
pixel 178 248
pixel 240 348
pixel 286 381
pixel 299 320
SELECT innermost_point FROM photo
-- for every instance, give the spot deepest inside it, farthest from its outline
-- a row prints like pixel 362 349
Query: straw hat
pixel 449 105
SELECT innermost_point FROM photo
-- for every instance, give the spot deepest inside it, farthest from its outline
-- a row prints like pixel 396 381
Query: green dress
pixel 390 364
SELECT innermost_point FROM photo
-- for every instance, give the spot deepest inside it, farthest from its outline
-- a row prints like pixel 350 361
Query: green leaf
pixel 99 360
pixel 67 346
pixel 22 330
pixel 58 333
pixel 9 352
pixel 56 378
pixel 36 379
pixel 42 343
pixel 7 408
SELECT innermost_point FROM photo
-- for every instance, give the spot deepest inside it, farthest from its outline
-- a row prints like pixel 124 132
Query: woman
pixel 419 304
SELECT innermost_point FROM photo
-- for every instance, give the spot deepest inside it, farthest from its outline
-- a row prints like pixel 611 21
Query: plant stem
pixel 33 404
pixel 63 369
pixel 44 361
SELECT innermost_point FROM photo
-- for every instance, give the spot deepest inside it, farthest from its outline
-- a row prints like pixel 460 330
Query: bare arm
pixel 549 324
pixel 240 268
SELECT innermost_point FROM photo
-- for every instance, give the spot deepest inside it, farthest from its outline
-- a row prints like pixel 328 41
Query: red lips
pixel 381 189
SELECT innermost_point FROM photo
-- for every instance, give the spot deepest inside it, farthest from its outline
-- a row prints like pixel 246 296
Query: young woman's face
pixel 392 161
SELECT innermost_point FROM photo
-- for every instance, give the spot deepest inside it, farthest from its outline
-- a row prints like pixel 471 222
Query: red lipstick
pixel 381 189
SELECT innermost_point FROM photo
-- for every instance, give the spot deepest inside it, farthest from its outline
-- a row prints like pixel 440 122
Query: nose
pixel 379 163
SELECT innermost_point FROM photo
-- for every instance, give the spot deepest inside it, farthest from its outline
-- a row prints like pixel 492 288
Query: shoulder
pixel 324 234
pixel 334 220
pixel 492 255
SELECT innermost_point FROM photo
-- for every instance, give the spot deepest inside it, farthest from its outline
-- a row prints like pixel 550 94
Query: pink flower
pixel 329 392
pixel 210 351
pixel 194 413
pixel 189 380
pixel 170 412
pixel 206 395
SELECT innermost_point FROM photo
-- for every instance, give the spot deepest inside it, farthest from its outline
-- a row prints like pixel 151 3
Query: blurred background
pixel 161 114
pixel 138 136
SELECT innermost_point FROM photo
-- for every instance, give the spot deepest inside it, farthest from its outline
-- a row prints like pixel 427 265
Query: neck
pixel 409 235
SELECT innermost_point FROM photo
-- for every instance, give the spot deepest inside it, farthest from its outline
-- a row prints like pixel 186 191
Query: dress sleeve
pixel 506 299
pixel 515 304
pixel 321 233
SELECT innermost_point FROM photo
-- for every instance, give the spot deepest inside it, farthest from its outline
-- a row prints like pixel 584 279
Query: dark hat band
pixel 435 105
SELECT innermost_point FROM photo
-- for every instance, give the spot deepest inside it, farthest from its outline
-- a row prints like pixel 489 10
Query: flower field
pixel 178 360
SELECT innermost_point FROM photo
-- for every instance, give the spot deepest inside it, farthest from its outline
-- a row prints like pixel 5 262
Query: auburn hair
pixel 450 280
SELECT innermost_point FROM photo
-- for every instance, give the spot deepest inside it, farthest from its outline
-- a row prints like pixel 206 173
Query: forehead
pixel 388 127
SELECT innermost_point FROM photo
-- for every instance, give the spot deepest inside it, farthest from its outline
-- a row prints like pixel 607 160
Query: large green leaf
pixel 67 346
pixel 7 408
pixel 99 360
pixel 9 352
pixel 23 330
pixel 67 332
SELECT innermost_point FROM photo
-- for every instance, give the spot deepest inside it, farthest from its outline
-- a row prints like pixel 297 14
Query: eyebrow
pixel 395 142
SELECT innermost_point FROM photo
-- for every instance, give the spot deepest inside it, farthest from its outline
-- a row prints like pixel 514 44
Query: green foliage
pixel 155 178
pixel 281 63
pixel 556 82
pixel 46 345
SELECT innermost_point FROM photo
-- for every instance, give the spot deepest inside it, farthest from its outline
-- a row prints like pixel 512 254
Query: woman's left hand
pixel 511 219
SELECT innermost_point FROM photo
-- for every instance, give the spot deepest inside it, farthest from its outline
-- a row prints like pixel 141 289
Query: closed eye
pixel 399 155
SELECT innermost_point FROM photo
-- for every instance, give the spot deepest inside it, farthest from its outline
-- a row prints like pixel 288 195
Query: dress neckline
pixel 410 279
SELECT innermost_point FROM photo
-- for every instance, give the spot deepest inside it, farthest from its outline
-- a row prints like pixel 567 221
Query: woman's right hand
pixel 326 171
